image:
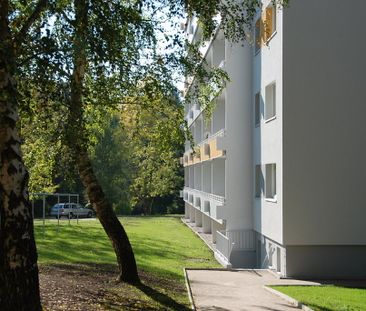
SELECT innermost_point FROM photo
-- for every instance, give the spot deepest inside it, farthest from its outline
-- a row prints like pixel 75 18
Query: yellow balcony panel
pixel 205 152
pixel 213 147
pixel 215 152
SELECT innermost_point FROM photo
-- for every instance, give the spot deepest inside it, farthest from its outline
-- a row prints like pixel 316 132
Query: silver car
pixel 70 210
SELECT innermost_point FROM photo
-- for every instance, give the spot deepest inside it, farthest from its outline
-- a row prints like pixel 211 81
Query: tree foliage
pixel 155 136
pixel 136 157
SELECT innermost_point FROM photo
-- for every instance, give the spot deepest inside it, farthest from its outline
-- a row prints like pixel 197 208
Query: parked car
pixel 70 210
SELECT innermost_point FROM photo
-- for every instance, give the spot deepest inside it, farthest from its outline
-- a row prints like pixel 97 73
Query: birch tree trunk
pixel 19 284
pixel 77 142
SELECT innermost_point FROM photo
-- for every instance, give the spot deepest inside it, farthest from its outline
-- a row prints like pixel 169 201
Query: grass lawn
pixel 162 246
pixel 327 298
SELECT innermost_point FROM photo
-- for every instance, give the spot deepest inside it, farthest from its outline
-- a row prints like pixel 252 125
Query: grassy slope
pixel 162 245
pixel 327 298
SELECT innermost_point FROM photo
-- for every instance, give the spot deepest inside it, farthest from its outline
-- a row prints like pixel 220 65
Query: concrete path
pixel 238 290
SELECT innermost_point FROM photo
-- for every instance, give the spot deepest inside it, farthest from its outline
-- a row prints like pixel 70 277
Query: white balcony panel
pixel 220 212
pixel 223 245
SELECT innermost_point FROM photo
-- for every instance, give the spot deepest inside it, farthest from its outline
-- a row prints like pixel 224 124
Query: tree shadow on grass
pixel 354 284
pixel 161 298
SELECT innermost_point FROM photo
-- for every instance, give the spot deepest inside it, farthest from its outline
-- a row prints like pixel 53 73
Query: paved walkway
pixel 238 290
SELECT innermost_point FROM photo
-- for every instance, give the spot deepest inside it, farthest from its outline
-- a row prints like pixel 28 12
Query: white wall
pixel 206 177
pixel 324 122
pixel 218 50
pixel 191 176
pixel 218 177
pixel 198 131
pixel 267 138
pixel 239 199
pixel 186 177
pixel 198 176
pixel 218 116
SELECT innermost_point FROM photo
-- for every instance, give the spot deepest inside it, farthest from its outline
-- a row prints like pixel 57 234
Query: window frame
pixel 270 189
pixel 258 181
pixel 272 85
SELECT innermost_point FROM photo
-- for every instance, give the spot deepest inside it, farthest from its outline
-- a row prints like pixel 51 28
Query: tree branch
pixel 69 20
pixel 20 36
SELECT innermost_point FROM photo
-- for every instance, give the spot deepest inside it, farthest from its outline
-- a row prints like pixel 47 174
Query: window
pixel 257 109
pixel 271 181
pixel 258 181
pixel 270 21
pixel 270 103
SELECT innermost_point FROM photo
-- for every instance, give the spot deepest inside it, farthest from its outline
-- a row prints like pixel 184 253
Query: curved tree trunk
pixel 77 143
pixel 112 226
pixel 19 284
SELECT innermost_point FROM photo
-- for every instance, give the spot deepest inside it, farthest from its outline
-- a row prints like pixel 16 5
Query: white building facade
pixel 278 180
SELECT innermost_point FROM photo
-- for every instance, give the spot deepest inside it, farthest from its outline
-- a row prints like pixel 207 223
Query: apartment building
pixel 279 177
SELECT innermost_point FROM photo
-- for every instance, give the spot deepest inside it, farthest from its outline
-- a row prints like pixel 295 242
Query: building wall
pixel 326 262
pixel 317 140
pixel 324 141
pixel 238 110
pixel 267 138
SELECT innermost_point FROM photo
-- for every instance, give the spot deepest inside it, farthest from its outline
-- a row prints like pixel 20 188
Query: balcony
pixel 193 114
pixel 211 148
pixel 210 204
pixel 197 156
pixel 190 158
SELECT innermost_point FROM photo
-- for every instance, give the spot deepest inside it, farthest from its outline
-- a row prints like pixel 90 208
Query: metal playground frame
pixel 70 198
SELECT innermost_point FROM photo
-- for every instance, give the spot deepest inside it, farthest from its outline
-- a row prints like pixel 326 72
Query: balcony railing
pixel 223 245
pixel 229 240
pixel 211 204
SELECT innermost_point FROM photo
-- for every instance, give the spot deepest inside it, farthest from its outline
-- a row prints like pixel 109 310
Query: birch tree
pixel 19 284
